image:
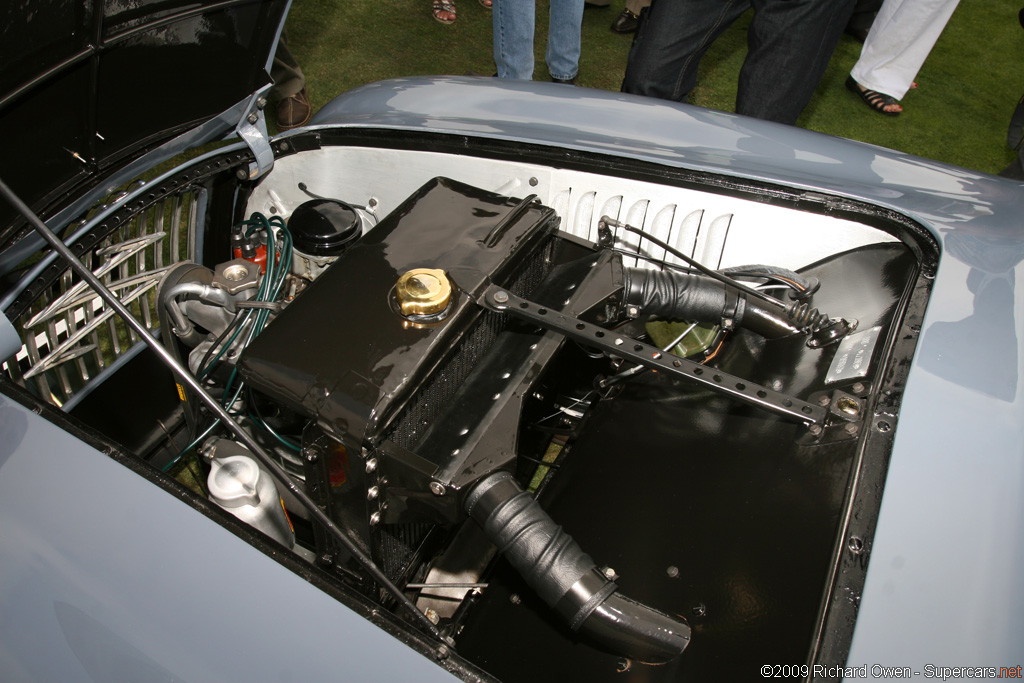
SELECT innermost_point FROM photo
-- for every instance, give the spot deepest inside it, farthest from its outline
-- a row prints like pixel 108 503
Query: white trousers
pixel 903 34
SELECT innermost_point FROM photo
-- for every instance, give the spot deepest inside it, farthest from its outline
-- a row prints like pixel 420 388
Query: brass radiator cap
pixel 423 291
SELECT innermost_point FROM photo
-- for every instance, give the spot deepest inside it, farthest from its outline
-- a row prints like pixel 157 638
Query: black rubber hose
pixel 802 287
pixel 689 296
pixel 567 579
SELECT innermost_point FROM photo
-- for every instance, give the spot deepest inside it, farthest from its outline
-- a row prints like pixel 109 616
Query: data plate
pixel 853 357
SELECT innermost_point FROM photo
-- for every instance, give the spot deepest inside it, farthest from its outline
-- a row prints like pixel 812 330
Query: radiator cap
pixel 423 291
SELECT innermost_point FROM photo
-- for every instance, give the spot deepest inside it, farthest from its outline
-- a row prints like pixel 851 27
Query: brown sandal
pixel 487 4
pixel 874 99
pixel 444 11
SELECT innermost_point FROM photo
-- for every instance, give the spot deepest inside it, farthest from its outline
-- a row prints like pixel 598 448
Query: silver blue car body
pixel 106 575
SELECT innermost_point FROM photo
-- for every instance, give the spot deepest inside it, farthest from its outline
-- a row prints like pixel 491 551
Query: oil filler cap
pixel 324 227
pixel 423 291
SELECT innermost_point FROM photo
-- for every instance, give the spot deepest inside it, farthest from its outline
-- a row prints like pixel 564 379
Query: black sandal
pixel 874 99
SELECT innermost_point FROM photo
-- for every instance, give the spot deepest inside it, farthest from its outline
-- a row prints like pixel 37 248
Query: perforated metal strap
pixel 498 299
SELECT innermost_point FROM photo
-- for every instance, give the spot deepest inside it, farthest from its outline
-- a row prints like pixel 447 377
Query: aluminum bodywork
pixel 949 534
pixel 948 545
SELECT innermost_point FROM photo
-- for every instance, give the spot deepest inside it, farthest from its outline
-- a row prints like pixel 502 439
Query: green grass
pixel 968 87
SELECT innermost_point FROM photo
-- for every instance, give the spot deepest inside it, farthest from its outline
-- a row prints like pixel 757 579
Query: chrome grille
pixel 70 336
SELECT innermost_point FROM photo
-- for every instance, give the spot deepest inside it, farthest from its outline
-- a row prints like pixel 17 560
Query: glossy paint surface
pixel 91 85
pixel 357 358
pixel 721 513
pixel 943 582
pixel 944 579
pixel 684 136
pixel 104 577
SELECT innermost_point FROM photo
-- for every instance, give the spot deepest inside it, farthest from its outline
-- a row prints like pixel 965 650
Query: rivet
pixel 856 545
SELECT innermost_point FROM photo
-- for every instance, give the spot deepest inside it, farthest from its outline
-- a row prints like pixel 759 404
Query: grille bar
pixel 68 335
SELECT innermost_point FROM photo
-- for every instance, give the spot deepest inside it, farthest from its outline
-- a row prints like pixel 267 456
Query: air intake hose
pixel 688 296
pixel 567 579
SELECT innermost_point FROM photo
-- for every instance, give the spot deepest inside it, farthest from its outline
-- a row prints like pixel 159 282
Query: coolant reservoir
pixel 237 484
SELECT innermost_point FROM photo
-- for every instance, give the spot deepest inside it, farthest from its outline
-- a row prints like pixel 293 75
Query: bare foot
pixel 444 11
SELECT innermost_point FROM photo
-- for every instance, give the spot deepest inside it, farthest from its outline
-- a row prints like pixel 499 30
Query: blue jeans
pixel 513 38
pixel 789 45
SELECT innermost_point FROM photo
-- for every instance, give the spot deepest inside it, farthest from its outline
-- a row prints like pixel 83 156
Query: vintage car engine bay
pixel 520 405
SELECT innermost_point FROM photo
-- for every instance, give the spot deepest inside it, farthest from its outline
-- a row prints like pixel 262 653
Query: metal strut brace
pixel 498 299
pixel 214 406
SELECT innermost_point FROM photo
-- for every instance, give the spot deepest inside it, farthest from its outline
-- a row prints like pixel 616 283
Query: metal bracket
pixel 497 299
pixel 252 128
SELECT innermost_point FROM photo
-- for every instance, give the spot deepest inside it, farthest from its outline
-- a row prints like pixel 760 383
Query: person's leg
pixel 285 72
pixel 789 45
pixel 293 107
pixel 901 38
pixel 670 42
pixel 863 16
pixel 513 38
pixel 563 52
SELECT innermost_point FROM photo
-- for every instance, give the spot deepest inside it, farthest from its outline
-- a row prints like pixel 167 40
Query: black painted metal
pixel 324 227
pixel 652 357
pixel 707 508
pixel 369 608
pixel 356 361
pixel 214 406
pixel 89 85
pixel 132 424
pixel 567 579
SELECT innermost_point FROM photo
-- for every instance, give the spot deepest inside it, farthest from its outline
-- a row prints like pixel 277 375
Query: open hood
pixel 88 86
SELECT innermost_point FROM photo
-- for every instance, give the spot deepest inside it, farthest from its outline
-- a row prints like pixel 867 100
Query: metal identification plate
pixel 853 357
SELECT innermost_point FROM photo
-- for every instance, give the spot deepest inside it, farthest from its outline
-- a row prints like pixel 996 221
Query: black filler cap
pixel 324 227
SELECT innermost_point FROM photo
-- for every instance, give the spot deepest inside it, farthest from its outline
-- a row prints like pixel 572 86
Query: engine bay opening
pixel 620 438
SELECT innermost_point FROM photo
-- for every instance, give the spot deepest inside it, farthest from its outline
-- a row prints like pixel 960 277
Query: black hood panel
pixel 87 86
